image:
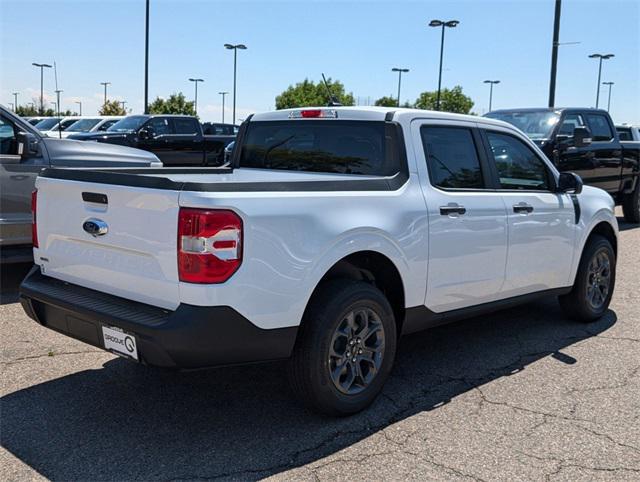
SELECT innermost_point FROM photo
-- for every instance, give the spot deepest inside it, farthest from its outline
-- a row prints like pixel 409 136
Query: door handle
pixel 452 208
pixel 19 177
pixel 522 207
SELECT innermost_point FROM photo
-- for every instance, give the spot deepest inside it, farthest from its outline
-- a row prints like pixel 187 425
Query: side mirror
pixel 27 144
pixel 581 137
pixel 145 133
pixel 570 182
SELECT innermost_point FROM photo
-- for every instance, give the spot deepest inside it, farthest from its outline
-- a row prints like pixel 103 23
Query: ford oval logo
pixel 95 227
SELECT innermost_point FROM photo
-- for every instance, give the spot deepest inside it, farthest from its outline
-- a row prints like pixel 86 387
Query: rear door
pixel 607 152
pixel 186 142
pixel 467 218
pixel 542 223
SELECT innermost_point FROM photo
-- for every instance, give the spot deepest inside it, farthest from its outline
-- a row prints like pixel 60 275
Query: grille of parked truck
pixel 333 232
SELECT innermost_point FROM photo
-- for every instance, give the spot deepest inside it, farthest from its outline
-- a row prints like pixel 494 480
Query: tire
pixel 579 303
pixel 631 205
pixel 326 324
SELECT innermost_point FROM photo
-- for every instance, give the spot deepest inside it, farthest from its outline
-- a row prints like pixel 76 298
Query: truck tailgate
pixel 134 259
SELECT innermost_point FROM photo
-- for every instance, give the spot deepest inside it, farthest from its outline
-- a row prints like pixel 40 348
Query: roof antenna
pixel 333 102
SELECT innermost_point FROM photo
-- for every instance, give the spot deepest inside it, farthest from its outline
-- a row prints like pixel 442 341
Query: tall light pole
pixel 223 94
pixel 58 91
pixel 42 67
pixel 12 106
pixel 146 60
pixel 554 53
pixel 601 57
pixel 80 104
pixel 105 91
pixel 443 24
pixel 491 84
pixel 400 72
pixel 123 103
pixel 609 101
pixel 15 98
pixel 195 81
pixel 235 63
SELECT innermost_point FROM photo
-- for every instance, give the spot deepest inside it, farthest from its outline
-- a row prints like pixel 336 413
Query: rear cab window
pixel 452 157
pixel 369 148
pixel 185 126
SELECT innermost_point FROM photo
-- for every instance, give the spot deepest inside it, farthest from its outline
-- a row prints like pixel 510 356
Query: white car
pixel 335 231
pixel 91 124
pixel 55 126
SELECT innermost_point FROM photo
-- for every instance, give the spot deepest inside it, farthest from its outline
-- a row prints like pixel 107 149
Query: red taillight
pixel 209 245
pixel 34 225
pixel 311 113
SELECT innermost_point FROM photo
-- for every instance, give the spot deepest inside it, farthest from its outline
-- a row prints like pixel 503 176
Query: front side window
pixel 8 144
pixel 452 158
pixel 107 124
pixel 535 124
pixel 159 126
pixel 600 128
pixel 83 125
pixel 128 124
pixel 570 122
pixel 624 133
pixel 518 166
pixel 331 146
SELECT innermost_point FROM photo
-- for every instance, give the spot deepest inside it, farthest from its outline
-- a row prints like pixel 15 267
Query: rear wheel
pixel 345 349
pixel 594 284
pixel 631 205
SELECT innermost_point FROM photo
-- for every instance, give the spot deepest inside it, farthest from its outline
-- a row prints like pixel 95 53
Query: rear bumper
pixel 189 337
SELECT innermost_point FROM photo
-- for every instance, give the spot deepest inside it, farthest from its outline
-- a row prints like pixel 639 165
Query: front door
pixel 467 219
pixel 542 222
pixel 158 142
pixel 17 181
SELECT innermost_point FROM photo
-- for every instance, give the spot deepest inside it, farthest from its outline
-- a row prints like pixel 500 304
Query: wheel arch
pixel 372 267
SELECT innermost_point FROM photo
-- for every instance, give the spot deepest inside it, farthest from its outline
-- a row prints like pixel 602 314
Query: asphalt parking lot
pixel 524 394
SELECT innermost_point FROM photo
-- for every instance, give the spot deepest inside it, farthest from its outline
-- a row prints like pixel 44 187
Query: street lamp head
pixel 601 56
pixel 608 83
pixel 196 80
pixel 41 65
pixel 436 23
pixel 397 69
pixel 452 23
pixel 491 81
pixel 223 93
pixel 241 46
pixel 238 46
pixel 228 46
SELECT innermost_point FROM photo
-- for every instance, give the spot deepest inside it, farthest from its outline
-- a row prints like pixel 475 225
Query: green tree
pixel 451 100
pixel 387 101
pixel 27 111
pixel 308 93
pixel 112 107
pixel 175 104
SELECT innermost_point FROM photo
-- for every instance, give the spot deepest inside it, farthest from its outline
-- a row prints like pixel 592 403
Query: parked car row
pixel 62 127
pixel 332 232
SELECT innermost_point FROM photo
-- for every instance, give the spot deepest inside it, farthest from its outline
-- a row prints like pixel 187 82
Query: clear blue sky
pixel 356 42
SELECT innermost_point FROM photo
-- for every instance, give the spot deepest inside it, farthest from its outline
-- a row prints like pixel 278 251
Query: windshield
pixel 345 147
pixel 84 125
pixel 47 124
pixel 128 124
pixel 536 124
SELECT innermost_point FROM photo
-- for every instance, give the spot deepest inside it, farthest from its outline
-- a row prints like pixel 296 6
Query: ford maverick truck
pixel 333 232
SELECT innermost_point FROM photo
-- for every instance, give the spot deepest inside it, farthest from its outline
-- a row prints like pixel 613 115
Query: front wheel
pixel 631 205
pixel 595 280
pixel 345 348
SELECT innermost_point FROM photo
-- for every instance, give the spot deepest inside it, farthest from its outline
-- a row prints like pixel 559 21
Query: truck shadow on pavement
pixel 125 421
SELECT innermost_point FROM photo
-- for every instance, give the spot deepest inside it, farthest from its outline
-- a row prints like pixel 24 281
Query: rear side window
pixel 518 165
pixel 600 128
pixel 185 126
pixel 159 126
pixel 331 146
pixel 452 158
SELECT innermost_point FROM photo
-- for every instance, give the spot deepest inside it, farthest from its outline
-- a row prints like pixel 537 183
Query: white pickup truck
pixel 333 232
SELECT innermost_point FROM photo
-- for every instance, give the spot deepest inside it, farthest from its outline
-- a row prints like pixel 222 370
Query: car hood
pixel 74 153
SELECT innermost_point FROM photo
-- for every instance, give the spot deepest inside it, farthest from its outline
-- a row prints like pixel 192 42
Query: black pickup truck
pixel 585 141
pixel 177 140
